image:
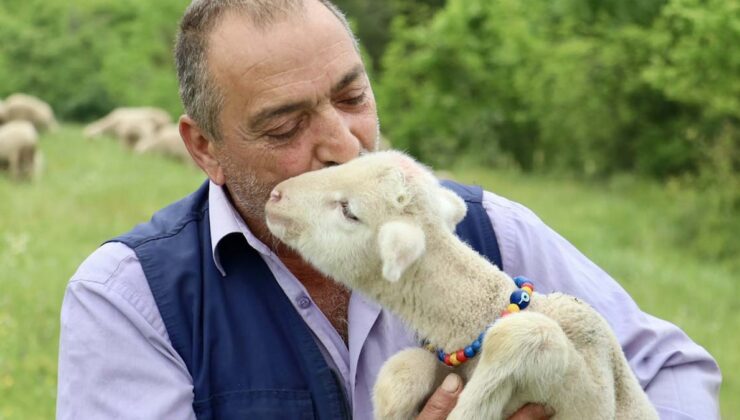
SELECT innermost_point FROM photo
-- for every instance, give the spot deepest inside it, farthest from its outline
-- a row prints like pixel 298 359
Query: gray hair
pixel 201 97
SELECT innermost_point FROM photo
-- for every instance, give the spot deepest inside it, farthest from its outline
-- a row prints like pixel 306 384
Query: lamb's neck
pixel 452 294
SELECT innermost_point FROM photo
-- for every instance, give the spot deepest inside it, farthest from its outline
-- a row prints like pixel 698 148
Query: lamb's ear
pixel 451 207
pixel 401 243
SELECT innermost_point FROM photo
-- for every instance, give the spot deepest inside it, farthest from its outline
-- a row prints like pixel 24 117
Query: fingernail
pixel 451 383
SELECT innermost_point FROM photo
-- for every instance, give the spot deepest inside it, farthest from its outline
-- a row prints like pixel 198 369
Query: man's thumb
pixel 441 403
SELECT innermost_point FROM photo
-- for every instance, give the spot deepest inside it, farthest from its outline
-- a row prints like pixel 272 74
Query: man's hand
pixel 441 403
pixel 533 412
pixel 443 400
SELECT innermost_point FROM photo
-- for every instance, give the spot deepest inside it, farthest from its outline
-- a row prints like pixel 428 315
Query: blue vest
pixel 250 354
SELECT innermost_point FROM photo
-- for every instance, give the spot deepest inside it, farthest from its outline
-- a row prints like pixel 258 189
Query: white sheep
pixel 381 224
pixel 18 149
pixel 3 115
pixel 165 142
pixel 20 106
pixel 129 125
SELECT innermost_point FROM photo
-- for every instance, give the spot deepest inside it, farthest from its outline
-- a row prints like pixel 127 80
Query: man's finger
pixel 533 412
pixel 443 400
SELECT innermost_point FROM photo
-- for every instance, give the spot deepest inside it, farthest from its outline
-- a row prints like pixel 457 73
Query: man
pixel 202 313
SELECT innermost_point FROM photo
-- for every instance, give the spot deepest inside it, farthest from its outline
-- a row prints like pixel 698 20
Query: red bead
pixel 461 356
pixel 447 360
pixel 530 285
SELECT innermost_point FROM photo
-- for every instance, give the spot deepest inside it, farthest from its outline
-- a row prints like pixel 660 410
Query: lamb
pixel 166 142
pixel 18 149
pixel 129 125
pixel 381 224
pixel 3 117
pixel 20 106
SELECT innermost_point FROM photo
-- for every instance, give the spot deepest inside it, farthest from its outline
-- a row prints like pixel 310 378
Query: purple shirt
pixel 116 360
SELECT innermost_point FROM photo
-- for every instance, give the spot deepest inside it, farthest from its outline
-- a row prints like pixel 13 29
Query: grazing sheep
pixel 3 117
pixel 20 106
pixel 166 142
pixel 18 154
pixel 381 224
pixel 129 125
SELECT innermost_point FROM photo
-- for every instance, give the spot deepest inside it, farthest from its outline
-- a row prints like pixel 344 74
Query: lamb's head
pixel 365 218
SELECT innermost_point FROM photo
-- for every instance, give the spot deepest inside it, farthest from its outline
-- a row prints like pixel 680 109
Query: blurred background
pixel 617 121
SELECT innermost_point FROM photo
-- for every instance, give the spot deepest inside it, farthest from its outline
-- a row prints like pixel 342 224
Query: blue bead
pixel 520 298
pixel 469 352
pixel 476 345
pixel 520 280
pixel 441 355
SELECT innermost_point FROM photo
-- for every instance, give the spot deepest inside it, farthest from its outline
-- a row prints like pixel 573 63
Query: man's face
pixel 297 99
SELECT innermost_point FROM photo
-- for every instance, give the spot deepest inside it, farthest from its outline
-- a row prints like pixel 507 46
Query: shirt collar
pixel 225 220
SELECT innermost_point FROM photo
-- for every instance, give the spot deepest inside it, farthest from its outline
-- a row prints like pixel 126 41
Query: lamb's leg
pixel 524 350
pixel 405 381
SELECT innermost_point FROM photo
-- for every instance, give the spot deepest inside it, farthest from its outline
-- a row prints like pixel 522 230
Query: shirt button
pixel 304 302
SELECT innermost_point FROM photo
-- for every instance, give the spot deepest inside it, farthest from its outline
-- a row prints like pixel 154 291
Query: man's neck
pixel 331 297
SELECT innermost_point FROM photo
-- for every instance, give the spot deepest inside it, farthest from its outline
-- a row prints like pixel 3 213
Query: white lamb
pixel 20 106
pixel 383 225
pixel 18 150
pixel 129 125
pixel 165 142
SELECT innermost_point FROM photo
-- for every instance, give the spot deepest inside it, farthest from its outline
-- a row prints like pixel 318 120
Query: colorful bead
pixel 512 308
pixel 441 355
pixel 469 352
pixel 528 284
pixel 476 346
pixel 447 360
pixel 520 280
pixel 528 290
pixel 520 298
pixel 461 356
pixel 453 359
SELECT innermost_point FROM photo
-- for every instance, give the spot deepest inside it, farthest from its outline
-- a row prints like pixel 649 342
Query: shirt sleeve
pixel 115 358
pixel 680 377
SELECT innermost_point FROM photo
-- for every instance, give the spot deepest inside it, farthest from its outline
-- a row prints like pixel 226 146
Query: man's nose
pixel 335 143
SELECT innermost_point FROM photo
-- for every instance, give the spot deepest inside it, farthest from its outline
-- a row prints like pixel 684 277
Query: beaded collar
pixel 519 300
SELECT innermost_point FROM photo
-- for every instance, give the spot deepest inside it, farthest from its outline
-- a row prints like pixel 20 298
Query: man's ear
pixel 451 207
pixel 201 149
pixel 401 244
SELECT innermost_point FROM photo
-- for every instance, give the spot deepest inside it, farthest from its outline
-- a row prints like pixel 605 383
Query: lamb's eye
pixel 347 212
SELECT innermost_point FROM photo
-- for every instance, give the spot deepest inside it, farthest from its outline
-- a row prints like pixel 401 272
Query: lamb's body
pixel 18 149
pixel 401 251
pixel 165 142
pixel 22 107
pixel 129 125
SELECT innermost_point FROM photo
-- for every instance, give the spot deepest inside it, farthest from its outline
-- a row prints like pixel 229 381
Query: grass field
pixel 91 191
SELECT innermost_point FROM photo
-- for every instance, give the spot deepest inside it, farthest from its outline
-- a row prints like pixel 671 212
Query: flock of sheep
pixel 23 118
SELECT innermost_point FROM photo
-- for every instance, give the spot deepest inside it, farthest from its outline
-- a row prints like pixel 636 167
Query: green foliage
pixel 590 87
pixel 87 57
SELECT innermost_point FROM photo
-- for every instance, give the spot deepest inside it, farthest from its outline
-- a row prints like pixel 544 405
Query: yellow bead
pixel 512 308
pixel 528 289
pixel 453 359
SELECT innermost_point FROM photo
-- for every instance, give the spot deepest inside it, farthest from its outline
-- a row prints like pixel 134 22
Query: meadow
pixel 91 191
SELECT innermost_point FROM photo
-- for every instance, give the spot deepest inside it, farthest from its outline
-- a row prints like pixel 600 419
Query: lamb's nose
pixel 275 195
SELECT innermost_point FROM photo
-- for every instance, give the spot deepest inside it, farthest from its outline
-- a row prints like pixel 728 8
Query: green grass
pixel 92 191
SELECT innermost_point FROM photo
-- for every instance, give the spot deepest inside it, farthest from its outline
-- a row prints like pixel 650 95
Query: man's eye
pixel 357 100
pixel 286 134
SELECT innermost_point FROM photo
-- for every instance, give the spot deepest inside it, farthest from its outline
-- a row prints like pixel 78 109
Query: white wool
pixel 23 107
pixel 129 125
pixel 18 149
pixel 383 225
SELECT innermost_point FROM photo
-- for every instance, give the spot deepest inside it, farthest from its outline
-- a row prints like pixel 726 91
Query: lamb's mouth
pixel 277 223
